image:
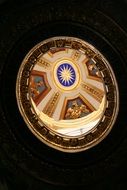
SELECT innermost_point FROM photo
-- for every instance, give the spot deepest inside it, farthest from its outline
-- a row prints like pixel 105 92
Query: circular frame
pixel 49 137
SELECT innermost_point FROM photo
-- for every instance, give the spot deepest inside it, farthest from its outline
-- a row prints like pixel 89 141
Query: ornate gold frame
pixel 42 132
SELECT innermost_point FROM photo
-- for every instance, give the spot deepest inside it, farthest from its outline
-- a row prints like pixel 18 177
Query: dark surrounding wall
pixel 103 169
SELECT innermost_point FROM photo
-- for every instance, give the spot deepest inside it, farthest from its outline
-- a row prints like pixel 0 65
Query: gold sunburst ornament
pixel 66 74
pixel 67 94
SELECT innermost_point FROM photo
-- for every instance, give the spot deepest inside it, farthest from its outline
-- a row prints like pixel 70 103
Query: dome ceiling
pixel 67 91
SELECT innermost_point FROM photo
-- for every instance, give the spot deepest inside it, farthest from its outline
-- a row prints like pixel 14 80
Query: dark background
pixel 105 166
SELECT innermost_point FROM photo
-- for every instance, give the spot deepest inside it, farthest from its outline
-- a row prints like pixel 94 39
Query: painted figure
pixel 76 110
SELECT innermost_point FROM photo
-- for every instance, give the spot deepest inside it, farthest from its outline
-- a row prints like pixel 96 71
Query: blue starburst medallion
pixel 66 74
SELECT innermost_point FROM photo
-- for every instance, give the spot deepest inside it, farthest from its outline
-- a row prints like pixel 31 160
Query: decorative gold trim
pixel 76 55
pixel 43 63
pixel 93 91
pixel 51 105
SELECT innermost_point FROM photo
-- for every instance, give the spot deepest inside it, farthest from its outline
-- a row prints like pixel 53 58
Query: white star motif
pixel 66 74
